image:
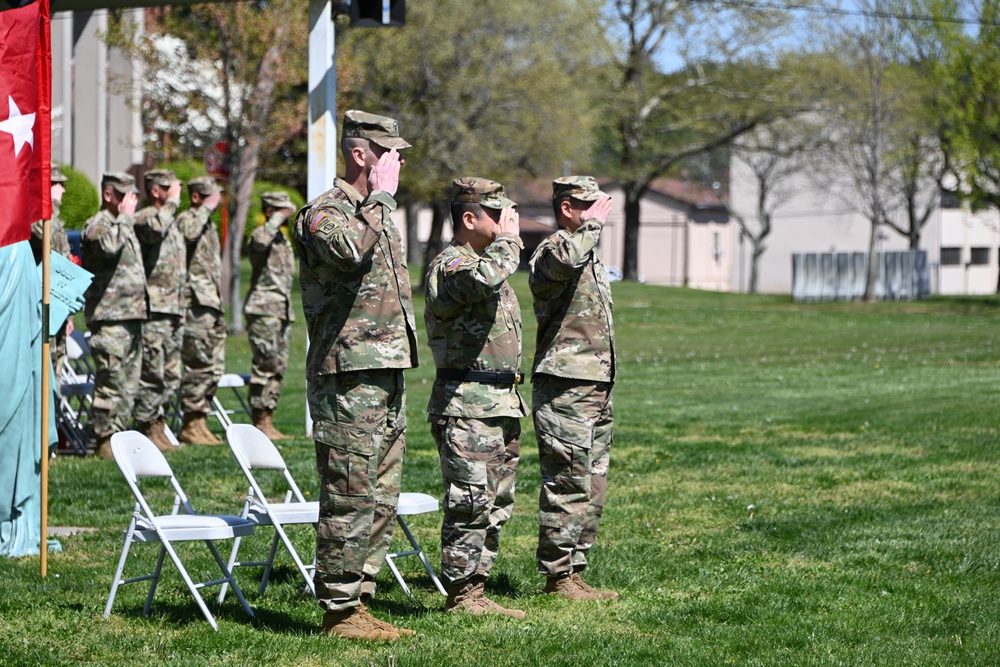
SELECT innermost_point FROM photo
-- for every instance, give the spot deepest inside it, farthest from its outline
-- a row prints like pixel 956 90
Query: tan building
pixel 962 247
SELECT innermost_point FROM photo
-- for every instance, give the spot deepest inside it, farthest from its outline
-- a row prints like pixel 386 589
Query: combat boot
pixel 263 419
pixel 195 431
pixel 103 448
pixel 565 586
pixel 470 596
pixel 358 623
pixel 155 432
pixel 603 595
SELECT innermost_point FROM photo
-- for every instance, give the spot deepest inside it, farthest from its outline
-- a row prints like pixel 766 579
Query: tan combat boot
pixel 602 595
pixel 195 431
pixel 470 597
pixel 569 587
pixel 154 431
pixel 103 448
pixel 263 419
pixel 358 623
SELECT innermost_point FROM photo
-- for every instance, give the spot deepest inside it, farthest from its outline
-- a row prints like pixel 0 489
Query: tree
pixel 232 70
pixel 722 91
pixel 969 103
pixel 508 94
pixel 867 91
pixel 772 155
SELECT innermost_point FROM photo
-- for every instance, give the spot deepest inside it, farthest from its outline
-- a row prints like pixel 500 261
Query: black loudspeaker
pixel 378 13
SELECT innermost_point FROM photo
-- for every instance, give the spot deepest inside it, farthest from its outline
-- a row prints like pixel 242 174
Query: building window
pixel 950 199
pixel 980 257
pixel 951 256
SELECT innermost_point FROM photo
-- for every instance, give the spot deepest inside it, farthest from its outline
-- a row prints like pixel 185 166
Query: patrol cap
pixel 383 130
pixel 203 185
pixel 162 177
pixel 276 199
pixel 57 175
pixel 482 191
pixel 119 180
pixel 583 188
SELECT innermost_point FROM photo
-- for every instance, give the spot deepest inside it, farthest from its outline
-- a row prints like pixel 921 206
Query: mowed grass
pixel 865 436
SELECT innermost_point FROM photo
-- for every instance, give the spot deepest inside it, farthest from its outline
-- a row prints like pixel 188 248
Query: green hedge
pixel 80 201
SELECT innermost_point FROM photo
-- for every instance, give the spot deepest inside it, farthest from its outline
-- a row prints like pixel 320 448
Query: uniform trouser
pixel 204 357
pixel 116 348
pixel 270 341
pixel 573 420
pixel 162 338
pixel 479 460
pixel 360 431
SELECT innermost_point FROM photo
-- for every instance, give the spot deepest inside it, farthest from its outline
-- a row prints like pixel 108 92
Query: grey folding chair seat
pixel 137 458
pixel 254 451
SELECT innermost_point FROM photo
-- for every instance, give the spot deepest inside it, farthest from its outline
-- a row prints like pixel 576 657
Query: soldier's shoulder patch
pixel 453 264
pixel 93 230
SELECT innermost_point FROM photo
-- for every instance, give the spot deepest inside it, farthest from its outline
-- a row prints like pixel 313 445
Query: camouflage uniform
pixel 115 308
pixel 59 243
pixel 268 307
pixel 572 381
pixel 204 347
pixel 474 323
pixel 164 256
pixel 359 314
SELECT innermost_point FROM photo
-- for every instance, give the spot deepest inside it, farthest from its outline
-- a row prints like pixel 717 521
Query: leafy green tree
pixel 234 71
pixel 507 90
pixel 969 100
pixel 80 201
pixel 655 120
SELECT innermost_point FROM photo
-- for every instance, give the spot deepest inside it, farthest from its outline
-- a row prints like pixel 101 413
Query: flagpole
pixel 46 393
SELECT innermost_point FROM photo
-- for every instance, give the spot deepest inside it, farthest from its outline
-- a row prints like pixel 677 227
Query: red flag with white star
pixel 25 120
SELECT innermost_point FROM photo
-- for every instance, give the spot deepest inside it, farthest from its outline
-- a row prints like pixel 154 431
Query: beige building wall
pixel 809 221
pixel 969 245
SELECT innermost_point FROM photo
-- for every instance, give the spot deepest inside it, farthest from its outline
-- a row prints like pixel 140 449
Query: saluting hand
pixel 599 210
pixel 509 223
pixel 129 200
pixel 211 202
pixel 385 174
pixel 174 192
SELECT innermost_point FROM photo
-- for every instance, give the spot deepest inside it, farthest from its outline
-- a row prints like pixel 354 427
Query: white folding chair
pixel 235 382
pixel 255 451
pixel 413 503
pixel 137 458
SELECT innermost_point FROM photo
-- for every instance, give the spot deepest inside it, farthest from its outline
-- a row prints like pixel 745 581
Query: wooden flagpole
pixel 46 393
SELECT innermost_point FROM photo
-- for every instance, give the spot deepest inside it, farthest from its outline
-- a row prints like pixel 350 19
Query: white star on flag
pixel 19 126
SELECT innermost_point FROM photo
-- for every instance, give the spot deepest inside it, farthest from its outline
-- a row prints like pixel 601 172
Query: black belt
pixel 483 377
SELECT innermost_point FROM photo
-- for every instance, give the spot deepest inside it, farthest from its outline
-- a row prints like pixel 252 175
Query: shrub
pixel 80 201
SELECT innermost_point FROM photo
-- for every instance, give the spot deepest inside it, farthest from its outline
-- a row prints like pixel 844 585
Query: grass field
pixel 864 434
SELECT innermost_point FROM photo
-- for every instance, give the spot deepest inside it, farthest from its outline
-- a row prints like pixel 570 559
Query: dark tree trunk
pixel 440 210
pixel 872 268
pixel 412 233
pixel 630 258
pixel 758 250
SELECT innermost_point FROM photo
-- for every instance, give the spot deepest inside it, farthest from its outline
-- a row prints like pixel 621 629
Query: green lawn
pixel 863 434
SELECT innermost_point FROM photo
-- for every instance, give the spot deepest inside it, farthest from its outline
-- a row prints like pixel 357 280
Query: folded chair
pixel 254 451
pixel 137 457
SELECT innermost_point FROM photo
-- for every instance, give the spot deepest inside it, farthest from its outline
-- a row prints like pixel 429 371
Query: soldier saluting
pixel 116 306
pixel 359 313
pixel 268 309
pixel 571 385
pixel 474 331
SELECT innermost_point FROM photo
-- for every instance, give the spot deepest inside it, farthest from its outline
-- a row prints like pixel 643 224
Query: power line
pixel 840 11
